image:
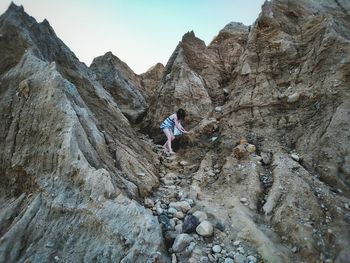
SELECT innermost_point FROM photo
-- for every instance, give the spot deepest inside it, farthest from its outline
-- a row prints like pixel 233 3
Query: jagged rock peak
pixel 16 8
pixel 191 38
pixel 151 78
pixel 110 57
pixel 234 27
pixel 124 85
pixel 16 15
pixel 156 67
pixel 25 32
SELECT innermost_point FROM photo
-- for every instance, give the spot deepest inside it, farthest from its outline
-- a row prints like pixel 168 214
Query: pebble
pixel 149 203
pixel 243 200
pixel 49 244
pixel 190 224
pixel 240 258
pixel 165 221
pixel 172 223
pixel 241 250
pixel 173 258
pixel 179 228
pixel 216 249
pixel 293 97
pixel 179 215
pixel 159 210
pixel 172 210
pixel 181 195
pixel 252 259
pixel 183 163
pixel 191 247
pixel 347 206
pixel 295 157
pixel 212 258
pixel 266 157
pixel 236 243
pixel 190 201
pixel 251 148
pixel 220 226
pixel 57 258
pixel 204 260
pixel 184 206
pixel 228 260
pixel 169 238
pixel 201 216
pixel 294 249
pixel 219 109
pixel 205 229
pixel 181 242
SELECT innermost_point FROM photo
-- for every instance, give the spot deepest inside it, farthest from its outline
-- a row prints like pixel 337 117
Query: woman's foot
pixel 172 153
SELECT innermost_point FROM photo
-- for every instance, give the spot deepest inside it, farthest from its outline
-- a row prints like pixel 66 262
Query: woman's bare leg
pixel 170 137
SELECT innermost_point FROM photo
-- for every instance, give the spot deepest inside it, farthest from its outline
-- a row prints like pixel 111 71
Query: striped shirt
pixel 168 123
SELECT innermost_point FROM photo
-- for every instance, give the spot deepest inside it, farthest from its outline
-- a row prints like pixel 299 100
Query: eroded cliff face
pixel 283 85
pixel 70 164
pixel 293 78
pixel 264 176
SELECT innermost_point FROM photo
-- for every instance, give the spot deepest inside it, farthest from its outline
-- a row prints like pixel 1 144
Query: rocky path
pixel 245 205
pixel 190 233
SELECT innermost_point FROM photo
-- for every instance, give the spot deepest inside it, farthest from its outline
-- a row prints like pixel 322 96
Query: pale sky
pixel 139 32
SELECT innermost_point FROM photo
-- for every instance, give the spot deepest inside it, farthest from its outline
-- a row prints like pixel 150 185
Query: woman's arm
pixel 178 125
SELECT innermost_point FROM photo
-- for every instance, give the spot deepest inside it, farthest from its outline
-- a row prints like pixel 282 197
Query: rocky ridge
pixel 262 178
pixel 70 162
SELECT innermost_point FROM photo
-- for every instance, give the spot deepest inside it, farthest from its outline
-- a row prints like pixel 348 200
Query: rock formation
pixel 70 164
pixel 284 86
pixel 151 78
pixel 264 177
pixel 122 83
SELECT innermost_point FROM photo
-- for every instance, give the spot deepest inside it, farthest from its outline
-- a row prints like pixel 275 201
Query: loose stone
pixel 190 223
pixel 216 249
pixel 228 260
pixel 181 241
pixel 243 200
pixel 172 210
pixel 241 250
pixel 236 243
pixel 295 157
pixel 200 215
pixel 240 259
pixel 252 259
pixel 205 229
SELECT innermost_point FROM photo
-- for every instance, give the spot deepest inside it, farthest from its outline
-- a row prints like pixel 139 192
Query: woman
pixel 168 126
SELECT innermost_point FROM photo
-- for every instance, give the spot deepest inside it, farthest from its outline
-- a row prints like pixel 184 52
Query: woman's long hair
pixel 181 114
